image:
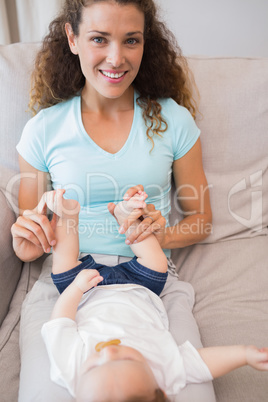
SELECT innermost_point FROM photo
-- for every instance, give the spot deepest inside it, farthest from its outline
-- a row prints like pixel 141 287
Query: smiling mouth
pixel 113 75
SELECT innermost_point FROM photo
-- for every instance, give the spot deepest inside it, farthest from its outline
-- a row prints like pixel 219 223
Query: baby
pixel 112 343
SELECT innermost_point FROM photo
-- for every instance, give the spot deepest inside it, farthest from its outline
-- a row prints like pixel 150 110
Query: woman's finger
pixel 132 191
pixel 150 211
pixel 147 227
pixel 144 229
pixel 157 228
pixel 53 224
pixel 40 226
pixel 21 232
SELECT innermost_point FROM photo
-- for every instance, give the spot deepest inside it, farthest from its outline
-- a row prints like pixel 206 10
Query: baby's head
pixel 117 373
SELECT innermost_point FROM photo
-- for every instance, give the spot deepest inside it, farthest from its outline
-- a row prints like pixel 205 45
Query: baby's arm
pixel 66 219
pixel 63 341
pixel 223 359
pixel 149 252
pixel 67 303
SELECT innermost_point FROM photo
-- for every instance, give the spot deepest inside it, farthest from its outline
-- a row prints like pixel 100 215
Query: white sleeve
pixel 65 350
pixel 196 369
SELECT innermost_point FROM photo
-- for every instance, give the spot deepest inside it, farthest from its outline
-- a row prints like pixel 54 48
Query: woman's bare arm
pixel 193 201
pixel 33 233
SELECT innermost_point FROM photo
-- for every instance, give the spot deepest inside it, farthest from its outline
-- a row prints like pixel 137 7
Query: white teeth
pixel 112 75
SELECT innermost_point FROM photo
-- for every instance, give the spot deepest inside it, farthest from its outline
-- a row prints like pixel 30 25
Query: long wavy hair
pixel 164 72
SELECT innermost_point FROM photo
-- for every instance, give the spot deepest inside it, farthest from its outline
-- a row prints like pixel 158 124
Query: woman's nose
pixel 115 57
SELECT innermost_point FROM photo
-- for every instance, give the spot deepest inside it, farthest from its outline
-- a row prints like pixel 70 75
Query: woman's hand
pixel 33 233
pixel 152 220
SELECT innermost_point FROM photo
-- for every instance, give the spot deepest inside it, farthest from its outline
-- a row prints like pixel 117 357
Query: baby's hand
pixel 257 358
pixel 87 279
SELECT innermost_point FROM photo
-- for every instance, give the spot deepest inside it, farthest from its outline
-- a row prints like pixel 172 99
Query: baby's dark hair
pixel 159 396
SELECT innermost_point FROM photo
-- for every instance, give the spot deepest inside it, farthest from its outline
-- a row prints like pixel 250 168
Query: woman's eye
pixel 132 41
pixel 98 40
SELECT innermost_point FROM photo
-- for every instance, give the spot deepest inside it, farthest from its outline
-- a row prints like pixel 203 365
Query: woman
pixel 116 112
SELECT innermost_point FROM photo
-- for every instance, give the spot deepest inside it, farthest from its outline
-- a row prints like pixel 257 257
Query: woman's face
pixel 110 47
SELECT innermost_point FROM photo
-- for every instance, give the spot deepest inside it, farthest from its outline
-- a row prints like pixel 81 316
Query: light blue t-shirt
pixel 56 141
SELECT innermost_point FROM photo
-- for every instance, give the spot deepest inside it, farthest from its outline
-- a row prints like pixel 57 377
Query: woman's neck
pixel 92 101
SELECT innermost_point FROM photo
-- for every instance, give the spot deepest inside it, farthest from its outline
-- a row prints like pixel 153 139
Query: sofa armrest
pixel 10 265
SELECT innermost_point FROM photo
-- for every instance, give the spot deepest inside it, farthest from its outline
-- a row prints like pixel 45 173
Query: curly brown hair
pixel 164 72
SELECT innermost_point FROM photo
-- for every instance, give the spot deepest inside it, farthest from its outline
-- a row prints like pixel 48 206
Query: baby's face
pixel 115 373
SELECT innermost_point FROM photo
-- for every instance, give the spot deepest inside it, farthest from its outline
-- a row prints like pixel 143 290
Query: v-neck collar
pixel 93 143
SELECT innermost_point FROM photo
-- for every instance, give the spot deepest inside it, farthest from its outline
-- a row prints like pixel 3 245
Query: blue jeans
pixel 127 272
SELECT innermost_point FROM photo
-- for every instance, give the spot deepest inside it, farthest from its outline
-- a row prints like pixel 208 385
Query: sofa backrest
pixel 234 132
pixel 16 64
pixel 235 136
pixel 233 120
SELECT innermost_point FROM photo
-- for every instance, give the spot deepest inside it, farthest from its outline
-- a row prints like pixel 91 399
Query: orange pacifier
pixel 102 345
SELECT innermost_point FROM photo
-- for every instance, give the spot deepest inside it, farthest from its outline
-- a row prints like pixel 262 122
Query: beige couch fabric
pixel 230 280
pixel 10 265
pixel 15 64
pixel 234 127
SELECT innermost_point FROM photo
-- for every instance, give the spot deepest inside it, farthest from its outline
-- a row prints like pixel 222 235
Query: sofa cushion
pixel 234 133
pixel 10 265
pixel 16 64
pixel 230 282
pixel 9 334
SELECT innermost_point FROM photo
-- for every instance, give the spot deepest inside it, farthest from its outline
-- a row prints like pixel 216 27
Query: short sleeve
pixel 196 369
pixel 32 143
pixel 65 350
pixel 185 132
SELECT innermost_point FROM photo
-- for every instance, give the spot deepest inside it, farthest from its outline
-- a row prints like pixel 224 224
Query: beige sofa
pixel 229 271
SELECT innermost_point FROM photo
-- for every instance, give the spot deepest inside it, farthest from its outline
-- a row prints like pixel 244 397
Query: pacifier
pixel 102 345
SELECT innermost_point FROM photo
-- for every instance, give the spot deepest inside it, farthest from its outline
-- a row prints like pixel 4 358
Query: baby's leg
pixel 66 251
pixel 149 251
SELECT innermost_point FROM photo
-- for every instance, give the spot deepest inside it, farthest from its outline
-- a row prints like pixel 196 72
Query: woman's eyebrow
pixel 100 32
pixel 134 33
pixel 108 34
